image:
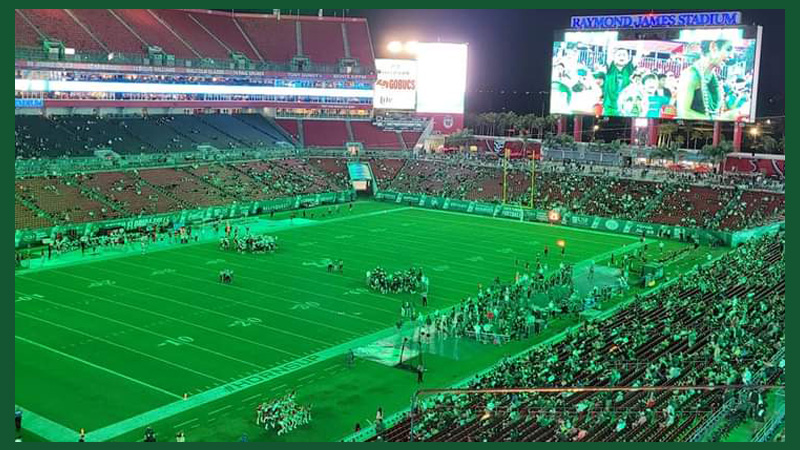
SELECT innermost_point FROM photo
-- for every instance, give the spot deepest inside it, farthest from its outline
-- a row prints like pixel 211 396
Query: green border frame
pixel 626 5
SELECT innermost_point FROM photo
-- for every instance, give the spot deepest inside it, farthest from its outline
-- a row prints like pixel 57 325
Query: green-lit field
pixel 103 341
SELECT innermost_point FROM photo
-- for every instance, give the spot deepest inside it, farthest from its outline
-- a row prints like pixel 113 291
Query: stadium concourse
pixel 223 233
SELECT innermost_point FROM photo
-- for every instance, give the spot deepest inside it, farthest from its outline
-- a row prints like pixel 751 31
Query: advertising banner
pixel 396 86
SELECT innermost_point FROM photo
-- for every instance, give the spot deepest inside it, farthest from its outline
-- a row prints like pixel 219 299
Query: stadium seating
pixel 440 178
pixel 274 39
pixel 385 170
pixel 233 181
pixel 290 127
pixel 622 199
pixel 410 138
pixel 186 188
pixel 24 34
pixel 131 193
pixel 322 40
pixel 669 338
pixel 58 25
pixel 154 32
pixel 373 137
pixel 55 136
pixel 193 34
pixel 692 206
pixel 63 200
pixel 360 43
pixel 222 27
pixel 324 133
pixel 26 218
pixel 754 208
pixel 110 30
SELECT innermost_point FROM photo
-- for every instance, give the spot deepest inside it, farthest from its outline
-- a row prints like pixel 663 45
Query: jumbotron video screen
pixel 700 74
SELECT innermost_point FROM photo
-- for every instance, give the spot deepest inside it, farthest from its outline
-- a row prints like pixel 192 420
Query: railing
pixel 768 430
pixel 118 58
pixel 66 166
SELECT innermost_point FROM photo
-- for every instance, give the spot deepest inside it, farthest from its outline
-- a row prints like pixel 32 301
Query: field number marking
pixel 322 263
pixel 101 283
pixel 357 291
pixel 162 272
pixel 28 298
pixel 245 322
pixel 306 305
pixel 180 340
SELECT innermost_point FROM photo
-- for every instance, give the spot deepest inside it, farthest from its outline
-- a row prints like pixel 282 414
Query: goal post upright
pixel 533 178
pixel 505 176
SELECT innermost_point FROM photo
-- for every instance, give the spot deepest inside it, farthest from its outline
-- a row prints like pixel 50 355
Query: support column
pixel 633 131
pixel 561 125
pixel 577 128
pixel 652 132
pixel 717 135
pixel 738 129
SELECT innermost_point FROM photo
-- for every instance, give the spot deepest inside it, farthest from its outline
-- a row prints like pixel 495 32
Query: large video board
pixel 694 74
pixel 441 77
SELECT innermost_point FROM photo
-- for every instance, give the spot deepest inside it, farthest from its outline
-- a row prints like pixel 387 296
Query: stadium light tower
pixel 395 47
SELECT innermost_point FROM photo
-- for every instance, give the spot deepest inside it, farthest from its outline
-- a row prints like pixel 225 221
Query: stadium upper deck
pixel 292 43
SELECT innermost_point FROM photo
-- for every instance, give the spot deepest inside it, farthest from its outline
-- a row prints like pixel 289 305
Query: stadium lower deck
pixel 119 341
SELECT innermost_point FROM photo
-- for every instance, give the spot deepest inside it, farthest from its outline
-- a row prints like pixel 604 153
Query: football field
pixel 121 342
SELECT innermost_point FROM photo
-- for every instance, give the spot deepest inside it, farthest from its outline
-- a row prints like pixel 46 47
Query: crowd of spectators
pixel 719 325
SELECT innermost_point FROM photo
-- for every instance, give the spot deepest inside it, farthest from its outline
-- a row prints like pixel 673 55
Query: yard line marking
pixel 250 398
pixel 117 345
pixel 234 286
pixel 307 376
pixel 211 413
pixel 212 239
pixel 255 379
pixel 104 369
pixel 144 330
pixel 173 318
pixel 250 305
pixel 185 423
pixel 316 282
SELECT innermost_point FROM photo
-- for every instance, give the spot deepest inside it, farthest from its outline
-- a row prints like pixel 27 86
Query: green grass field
pixel 113 345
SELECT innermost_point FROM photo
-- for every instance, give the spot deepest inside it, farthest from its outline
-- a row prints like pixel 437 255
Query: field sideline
pixel 102 342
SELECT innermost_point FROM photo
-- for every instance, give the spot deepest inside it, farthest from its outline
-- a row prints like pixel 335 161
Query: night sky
pixel 510 50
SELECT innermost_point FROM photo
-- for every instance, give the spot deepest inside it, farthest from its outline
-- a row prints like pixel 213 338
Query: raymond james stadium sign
pixel 682 20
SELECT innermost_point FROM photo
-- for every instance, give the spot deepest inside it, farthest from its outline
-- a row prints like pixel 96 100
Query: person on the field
pixel 18 419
